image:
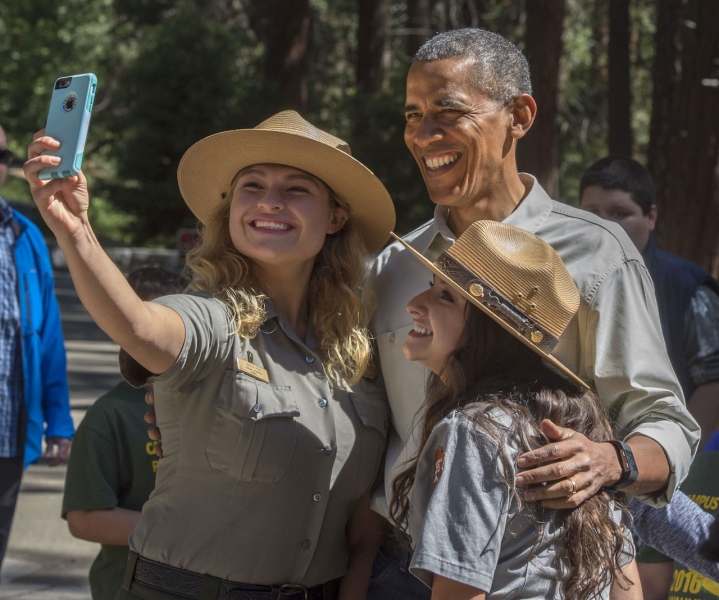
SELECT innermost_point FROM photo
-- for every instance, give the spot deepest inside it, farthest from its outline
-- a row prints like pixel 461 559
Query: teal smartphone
pixel 68 122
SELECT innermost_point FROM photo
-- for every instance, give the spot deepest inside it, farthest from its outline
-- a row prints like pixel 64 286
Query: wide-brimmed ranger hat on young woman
pixel 515 278
pixel 208 168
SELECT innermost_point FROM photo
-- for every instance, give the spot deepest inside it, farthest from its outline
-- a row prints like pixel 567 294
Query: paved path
pixel 43 560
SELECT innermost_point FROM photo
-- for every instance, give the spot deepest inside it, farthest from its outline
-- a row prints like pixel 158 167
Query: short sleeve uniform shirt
pixel 258 478
pixel 112 464
pixel 466 524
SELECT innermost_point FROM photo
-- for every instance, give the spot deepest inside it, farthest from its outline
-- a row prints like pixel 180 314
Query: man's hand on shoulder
pixel 57 450
pixel 573 467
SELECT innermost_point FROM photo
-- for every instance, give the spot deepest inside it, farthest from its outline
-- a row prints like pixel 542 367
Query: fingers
pixel 150 416
pixel 154 434
pixel 158 449
pixel 57 451
pixel 555 432
pixel 49 448
pixel 41 144
pixel 562 494
pixel 150 397
pixel 551 452
pixel 563 469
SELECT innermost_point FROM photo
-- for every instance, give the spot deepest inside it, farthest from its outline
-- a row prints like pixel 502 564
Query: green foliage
pixel 173 71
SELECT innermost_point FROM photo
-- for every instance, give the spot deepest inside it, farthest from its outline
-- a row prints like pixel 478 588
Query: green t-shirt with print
pixel 112 464
pixel 702 486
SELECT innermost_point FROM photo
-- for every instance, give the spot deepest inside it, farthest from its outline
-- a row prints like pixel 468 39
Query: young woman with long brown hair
pixel 485 328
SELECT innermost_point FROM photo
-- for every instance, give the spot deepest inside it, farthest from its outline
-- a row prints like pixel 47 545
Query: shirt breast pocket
pixel 373 413
pixel 254 429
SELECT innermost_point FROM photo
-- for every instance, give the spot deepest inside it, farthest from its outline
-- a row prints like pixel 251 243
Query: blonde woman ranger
pixel 272 437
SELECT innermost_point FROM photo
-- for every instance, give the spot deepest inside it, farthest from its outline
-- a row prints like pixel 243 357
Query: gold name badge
pixel 253 370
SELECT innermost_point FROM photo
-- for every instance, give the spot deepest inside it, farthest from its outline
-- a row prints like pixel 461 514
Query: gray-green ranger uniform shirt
pixel 466 524
pixel 258 479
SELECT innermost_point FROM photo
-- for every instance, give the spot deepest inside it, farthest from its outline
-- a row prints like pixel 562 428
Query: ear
pixel 524 109
pixel 652 217
pixel 340 216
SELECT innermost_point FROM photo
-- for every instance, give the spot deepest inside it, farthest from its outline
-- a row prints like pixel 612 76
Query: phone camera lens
pixel 70 102
pixel 63 83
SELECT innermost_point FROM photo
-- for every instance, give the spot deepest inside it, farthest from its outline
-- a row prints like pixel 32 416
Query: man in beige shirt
pixel 468 104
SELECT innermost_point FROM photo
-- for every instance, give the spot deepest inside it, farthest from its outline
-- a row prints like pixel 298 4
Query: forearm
pixel 652 463
pixel 355 582
pixel 365 532
pixel 704 407
pixel 111 526
pixel 133 324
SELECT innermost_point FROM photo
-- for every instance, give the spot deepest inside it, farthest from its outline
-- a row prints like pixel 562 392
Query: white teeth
pixel 271 225
pixel 434 163
pixel 421 330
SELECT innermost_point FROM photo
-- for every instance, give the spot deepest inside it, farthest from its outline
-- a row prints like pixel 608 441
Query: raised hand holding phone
pixel 62 203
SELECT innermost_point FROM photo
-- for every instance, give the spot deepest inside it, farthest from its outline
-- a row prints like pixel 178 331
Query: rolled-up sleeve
pixel 625 355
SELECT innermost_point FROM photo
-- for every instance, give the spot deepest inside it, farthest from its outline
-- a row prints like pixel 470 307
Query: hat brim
pixel 553 362
pixel 208 167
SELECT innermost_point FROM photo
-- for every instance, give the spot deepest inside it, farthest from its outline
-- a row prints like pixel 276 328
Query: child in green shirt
pixel 111 471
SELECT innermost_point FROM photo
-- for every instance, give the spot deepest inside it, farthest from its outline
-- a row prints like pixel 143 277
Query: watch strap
pixel 630 473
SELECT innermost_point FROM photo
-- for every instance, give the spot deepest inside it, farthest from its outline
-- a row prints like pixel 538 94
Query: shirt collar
pixel 310 341
pixel 528 215
pixel 534 209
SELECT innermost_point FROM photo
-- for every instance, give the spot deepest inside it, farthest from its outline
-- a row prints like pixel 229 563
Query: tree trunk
pixel 620 94
pixel 286 57
pixel 684 142
pixel 538 152
pixel 371 37
pixel 420 23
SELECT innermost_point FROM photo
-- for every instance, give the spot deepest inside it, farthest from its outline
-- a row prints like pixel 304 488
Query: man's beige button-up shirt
pixel 258 479
pixel 615 339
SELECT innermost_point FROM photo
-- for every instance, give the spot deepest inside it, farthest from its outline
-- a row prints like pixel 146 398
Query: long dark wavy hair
pixel 491 370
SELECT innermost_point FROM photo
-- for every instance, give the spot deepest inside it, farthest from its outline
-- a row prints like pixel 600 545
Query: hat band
pixel 485 294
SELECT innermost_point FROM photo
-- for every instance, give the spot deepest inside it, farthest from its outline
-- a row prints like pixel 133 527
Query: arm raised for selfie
pixel 152 334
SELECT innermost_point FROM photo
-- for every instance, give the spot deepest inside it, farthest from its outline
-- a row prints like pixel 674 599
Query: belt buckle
pixel 294 587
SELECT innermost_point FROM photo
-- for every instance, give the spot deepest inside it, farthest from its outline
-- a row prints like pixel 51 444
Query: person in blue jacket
pixel 34 398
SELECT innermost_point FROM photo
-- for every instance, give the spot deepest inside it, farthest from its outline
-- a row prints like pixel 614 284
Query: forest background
pixel 628 77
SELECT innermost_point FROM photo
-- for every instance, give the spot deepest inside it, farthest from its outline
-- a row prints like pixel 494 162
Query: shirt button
pixel 257 407
pixel 306 544
pixel 327 450
pixel 322 402
pixel 317 497
pixel 310 359
pixel 391 337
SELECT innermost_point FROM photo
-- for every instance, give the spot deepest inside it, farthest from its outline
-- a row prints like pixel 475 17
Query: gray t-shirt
pixel 466 524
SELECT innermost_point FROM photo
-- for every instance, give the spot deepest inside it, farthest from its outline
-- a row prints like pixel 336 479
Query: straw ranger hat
pixel 206 170
pixel 517 279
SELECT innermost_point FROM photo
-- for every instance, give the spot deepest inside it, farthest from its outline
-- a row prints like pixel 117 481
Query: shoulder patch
pixel 438 465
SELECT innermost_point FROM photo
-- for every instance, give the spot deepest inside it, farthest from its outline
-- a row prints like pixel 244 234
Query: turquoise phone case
pixel 68 122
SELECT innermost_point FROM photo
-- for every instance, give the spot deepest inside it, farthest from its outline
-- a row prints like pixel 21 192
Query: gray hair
pixel 500 69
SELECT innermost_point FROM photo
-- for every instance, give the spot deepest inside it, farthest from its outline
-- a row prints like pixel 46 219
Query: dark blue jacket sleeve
pixel 55 393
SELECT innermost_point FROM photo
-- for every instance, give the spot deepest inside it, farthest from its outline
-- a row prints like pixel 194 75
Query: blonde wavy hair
pixel 339 301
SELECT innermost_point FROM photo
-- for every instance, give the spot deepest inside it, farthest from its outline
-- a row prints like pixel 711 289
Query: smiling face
pixel 457 134
pixel 280 216
pixel 439 319
pixel 618 206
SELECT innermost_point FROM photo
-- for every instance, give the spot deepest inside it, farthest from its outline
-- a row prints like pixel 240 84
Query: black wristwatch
pixel 629 465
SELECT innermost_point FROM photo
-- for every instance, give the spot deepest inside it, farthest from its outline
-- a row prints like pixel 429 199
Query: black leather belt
pixel 190 585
